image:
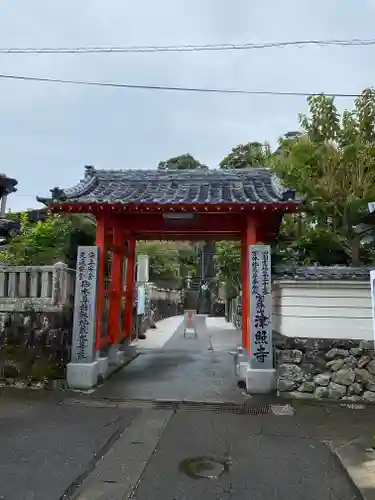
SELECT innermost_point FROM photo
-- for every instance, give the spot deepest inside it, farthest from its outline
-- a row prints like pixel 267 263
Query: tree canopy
pixel 333 164
pixel 182 162
pixel 49 241
pixel 252 154
pixel 330 161
pixel 169 261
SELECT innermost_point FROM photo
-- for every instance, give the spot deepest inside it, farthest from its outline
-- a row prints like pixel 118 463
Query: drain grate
pixel 239 409
pixel 246 408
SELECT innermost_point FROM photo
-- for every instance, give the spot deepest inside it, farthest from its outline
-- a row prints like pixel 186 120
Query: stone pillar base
pixel 242 363
pixel 260 381
pixel 115 357
pixel 82 375
pixel 129 351
pixel 102 366
pixel 241 369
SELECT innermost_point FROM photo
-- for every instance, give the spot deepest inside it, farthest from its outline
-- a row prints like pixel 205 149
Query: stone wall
pixel 35 348
pixel 325 368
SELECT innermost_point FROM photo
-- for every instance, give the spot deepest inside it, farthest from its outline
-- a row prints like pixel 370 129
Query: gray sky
pixel 48 132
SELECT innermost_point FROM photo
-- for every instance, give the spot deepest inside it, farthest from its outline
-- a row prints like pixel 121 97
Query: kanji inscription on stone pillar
pixel 261 353
pixel 83 340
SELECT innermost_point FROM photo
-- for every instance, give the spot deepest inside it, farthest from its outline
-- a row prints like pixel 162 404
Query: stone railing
pixel 36 311
pixel 41 288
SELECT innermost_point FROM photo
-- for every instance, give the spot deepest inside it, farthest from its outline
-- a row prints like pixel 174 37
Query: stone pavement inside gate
pixel 82 448
pixel 171 366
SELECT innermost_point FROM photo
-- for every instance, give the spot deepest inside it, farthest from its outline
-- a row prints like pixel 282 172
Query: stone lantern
pixel 7 186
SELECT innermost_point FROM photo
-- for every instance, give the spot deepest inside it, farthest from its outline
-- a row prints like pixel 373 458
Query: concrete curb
pixel 358 464
pixel 322 402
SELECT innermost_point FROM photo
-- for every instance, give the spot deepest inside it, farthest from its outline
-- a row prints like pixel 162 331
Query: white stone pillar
pixel 84 369
pixel 261 374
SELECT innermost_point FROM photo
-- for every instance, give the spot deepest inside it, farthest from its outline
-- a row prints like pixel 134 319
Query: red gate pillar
pixel 249 237
pixel 116 286
pixel 130 268
pixel 100 242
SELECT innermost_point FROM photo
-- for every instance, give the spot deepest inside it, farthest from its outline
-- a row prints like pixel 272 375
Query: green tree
pixel 169 261
pixel 49 241
pixel 228 261
pixel 333 165
pixel 252 154
pixel 182 162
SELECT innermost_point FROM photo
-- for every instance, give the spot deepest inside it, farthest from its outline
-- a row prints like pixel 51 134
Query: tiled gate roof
pixel 201 186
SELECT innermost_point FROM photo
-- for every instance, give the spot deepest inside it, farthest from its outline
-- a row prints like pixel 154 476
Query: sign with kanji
pixel 261 354
pixel 84 321
pixel 141 299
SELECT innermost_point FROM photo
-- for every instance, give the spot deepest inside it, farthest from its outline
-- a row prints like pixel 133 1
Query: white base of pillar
pixel 242 363
pixel 260 381
pixel 82 375
pixel 241 369
pixel 128 350
pixel 115 357
pixel 102 366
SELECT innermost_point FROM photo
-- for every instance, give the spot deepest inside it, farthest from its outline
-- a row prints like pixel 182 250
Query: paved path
pixel 199 369
pixel 92 449
pixel 57 446
pixel 156 338
pixel 46 447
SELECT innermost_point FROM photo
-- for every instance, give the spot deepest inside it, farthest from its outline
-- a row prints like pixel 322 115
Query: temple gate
pixel 197 205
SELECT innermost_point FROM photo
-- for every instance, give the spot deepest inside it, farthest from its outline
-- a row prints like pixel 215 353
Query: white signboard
pixel 261 352
pixel 142 268
pixel 141 302
pixel 84 323
pixel 372 279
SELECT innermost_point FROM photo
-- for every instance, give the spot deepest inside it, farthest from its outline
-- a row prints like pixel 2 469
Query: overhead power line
pixel 169 88
pixel 187 48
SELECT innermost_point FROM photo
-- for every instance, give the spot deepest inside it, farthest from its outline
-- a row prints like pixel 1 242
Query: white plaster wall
pixel 323 309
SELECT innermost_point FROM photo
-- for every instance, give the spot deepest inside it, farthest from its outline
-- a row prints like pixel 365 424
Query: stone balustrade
pixel 41 288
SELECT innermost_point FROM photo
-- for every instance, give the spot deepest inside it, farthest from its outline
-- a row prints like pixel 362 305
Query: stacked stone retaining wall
pixel 325 368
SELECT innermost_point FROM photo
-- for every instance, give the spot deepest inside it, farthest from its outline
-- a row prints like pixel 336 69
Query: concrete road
pixel 115 452
pixel 45 447
pixel 265 457
pixel 261 466
pixel 199 369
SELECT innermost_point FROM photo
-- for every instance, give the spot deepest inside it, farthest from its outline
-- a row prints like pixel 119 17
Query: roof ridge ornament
pixel 58 194
pixel 289 195
pixel 89 171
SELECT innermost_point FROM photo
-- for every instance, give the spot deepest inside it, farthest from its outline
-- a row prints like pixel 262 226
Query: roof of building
pixel 329 273
pixel 200 186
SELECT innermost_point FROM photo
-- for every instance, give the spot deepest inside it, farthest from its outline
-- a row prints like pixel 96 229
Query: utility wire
pixel 169 88
pixel 188 48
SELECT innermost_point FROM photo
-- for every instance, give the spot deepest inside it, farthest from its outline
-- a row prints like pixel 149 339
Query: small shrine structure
pixel 197 205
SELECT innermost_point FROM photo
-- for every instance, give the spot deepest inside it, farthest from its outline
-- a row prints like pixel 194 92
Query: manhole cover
pixel 204 467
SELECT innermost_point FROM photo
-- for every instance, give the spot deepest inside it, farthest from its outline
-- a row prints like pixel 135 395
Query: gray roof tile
pixel 201 186
pixel 334 273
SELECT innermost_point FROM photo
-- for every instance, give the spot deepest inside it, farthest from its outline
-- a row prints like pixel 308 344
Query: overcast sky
pixel 48 132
